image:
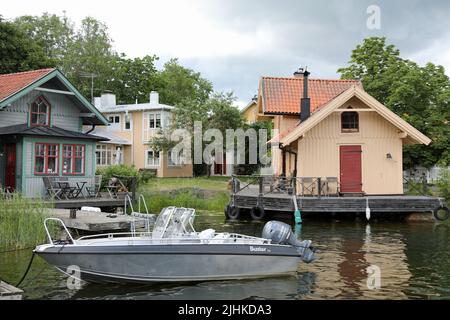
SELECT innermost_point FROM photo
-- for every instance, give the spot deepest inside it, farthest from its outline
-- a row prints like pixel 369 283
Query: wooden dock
pixel 9 292
pixel 250 197
pixel 105 200
pixel 97 222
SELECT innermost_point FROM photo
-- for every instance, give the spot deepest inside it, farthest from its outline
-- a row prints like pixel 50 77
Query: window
pixel 152 158
pixel 127 122
pixel 114 119
pixel 154 120
pixel 103 155
pixel 349 121
pixel 73 159
pixel 46 158
pixel 40 112
pixel 175 158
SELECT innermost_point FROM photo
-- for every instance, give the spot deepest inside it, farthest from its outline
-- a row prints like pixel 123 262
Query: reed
pixel 21 222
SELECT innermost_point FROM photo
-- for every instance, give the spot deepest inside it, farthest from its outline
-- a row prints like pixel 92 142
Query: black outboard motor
pixel 281 233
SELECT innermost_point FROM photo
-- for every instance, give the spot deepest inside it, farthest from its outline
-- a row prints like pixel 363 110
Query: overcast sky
pixel 233 43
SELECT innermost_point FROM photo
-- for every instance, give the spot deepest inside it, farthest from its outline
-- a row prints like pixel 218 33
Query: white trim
pixel 54 91
pixel 146 159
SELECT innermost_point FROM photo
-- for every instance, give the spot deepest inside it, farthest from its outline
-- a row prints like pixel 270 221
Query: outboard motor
pixel 281 233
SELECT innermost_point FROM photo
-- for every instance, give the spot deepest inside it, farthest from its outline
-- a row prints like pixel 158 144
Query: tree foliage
pixel 18 51
pixel 418 94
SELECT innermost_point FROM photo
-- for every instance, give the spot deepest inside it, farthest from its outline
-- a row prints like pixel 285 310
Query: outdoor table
pixel 79 189
pixel 66 189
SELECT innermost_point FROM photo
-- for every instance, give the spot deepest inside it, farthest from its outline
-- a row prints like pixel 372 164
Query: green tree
pixel 90 53
pixel 133 79
pixel 53 33
pixel 179 84
pixel 420 95
pixel 18 52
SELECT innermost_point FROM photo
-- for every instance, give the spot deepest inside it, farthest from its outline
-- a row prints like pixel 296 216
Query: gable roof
pixel 13 82
pixel 283 95
pixel 15 85
pixel 354 91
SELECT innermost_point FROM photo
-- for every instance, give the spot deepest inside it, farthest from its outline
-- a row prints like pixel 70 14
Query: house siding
pixel 33 186
pixel 319 152
pixel 64 113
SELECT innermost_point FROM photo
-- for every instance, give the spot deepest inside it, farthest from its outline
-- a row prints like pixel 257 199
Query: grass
pixel 21 222
pixel 168 184
pixel 202 193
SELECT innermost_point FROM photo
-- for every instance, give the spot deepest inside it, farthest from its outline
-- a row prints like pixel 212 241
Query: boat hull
pixel 170 263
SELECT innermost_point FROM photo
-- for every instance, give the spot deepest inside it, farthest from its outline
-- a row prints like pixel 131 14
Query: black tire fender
pixel 257 213
pixel 438 216
pixel 233 212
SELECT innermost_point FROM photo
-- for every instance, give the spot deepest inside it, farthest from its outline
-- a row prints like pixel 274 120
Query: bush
pixel 120 170
pixel 443 184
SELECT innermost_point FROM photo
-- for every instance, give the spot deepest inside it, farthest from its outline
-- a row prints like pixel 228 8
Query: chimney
pixel 305 103
pixel 98 102
pixel 108 100
pixel 154 97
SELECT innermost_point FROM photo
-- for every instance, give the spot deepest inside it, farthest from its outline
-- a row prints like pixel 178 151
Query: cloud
pixel 233 43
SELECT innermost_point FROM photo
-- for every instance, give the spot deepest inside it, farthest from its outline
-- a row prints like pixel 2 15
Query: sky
pixel 235 42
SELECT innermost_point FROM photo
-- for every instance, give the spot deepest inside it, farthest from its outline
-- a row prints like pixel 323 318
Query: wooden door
pixel 10 174
pixel 350 163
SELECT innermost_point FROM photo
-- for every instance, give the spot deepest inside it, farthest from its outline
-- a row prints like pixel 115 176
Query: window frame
pixel 147 165
pixel 152 116
pixel 103 148
pixel 355 121
pixel 48 113
pixel 179 158
pixel 46 158
pixel 73 158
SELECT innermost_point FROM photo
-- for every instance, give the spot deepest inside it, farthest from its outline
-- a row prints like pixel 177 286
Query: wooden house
pixel 334 129
pixel 41 119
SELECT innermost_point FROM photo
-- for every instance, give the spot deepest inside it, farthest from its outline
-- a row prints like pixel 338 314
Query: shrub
pixel 443 184
pixel 120 170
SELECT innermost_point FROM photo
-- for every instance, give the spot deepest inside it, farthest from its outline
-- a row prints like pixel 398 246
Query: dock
pixel 103 201
pixel 9 292
pixel 98 222
pixel 257 196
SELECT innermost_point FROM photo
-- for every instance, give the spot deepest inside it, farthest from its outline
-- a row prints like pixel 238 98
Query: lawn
pixel 168 184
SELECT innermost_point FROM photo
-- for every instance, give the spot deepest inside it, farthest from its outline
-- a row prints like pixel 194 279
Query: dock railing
pixel 303 186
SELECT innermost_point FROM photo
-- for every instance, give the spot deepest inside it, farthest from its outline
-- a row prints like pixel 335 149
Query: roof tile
pixel 283 95
pixel 14 82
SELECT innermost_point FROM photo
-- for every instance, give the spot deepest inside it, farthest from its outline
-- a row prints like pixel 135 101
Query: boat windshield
pixel 174 222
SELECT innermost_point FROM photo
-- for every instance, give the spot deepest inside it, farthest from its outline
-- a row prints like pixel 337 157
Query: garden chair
pixel 308 186
pixel 68 190
pixel 94 190
pixel 332 186
pixel 52 191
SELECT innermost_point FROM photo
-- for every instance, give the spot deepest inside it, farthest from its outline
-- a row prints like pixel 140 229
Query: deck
pixel 9 292
pixel 103 201
pixel 283 202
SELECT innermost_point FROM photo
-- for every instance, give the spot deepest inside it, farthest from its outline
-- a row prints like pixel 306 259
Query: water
pixel 414 260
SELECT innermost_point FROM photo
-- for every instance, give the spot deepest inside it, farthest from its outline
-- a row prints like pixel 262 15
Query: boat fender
pixel 441 213
pixel 257 213
pixel 233 212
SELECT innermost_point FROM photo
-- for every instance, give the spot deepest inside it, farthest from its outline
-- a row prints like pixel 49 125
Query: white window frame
pixel 153 116
pixel 106 155
pixel 154 164
pixel 129 116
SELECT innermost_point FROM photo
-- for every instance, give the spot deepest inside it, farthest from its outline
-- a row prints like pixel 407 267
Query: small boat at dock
pixel 174 251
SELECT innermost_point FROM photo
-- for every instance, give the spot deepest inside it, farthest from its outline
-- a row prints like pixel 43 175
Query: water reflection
pixel 414 260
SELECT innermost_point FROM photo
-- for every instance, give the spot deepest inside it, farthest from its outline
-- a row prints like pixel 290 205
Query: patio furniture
pixel 308 185
pixel 113 187
pixel 52 190
pixel 68 191
pixel 332 186
pixel 94 190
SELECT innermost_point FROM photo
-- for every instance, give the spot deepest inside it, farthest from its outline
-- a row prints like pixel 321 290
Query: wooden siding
pixel 33 186
pixel 64 113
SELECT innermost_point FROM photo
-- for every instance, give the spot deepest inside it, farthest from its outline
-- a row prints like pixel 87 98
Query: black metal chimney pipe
pixel 305 104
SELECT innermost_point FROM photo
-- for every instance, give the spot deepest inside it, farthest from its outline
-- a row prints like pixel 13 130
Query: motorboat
pixel 174 251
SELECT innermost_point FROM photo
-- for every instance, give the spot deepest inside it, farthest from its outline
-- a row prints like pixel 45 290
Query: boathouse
pixel 334 129
pixel 41 119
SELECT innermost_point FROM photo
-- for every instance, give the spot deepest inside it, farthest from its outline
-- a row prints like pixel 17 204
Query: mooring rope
pixel 26 272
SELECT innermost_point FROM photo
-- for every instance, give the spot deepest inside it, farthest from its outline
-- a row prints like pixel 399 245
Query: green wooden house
pixel 41 120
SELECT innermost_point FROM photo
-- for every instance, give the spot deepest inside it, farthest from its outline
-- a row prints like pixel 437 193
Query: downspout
pixel 92 129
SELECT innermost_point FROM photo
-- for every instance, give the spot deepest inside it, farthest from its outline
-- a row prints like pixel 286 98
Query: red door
pixel 10 176
pixel 350 162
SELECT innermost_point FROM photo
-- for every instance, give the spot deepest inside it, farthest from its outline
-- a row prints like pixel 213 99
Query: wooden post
pixel 261 186
pixel 73 214
pixel 319 186
pixel 133 188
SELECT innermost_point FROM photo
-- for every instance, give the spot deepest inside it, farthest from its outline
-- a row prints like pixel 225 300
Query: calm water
pixel 414 261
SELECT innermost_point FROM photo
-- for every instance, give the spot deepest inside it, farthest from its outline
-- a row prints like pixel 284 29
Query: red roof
pixel 14 82
pixel 283 95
